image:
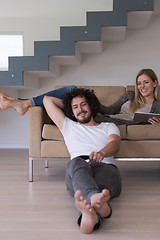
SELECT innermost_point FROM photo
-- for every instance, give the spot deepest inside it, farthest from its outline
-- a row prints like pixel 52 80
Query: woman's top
pixel 119 113
pixel 125 111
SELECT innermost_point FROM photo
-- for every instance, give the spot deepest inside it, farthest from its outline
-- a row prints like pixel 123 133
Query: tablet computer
pixel 144 117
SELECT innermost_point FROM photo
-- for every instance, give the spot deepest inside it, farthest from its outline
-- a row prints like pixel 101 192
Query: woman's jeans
pixel 58 93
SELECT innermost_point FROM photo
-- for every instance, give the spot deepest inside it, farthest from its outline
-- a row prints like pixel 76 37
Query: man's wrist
pixel 102 153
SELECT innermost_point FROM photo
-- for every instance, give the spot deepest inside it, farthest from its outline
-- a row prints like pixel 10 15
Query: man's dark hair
pixel 90 97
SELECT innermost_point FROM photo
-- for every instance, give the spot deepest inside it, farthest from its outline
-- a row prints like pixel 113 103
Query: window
pixel 10 45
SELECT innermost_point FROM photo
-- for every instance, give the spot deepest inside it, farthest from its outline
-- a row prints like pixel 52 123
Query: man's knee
pixel 77 163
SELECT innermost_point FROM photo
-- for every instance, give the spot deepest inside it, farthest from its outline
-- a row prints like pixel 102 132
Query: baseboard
pixel 14 146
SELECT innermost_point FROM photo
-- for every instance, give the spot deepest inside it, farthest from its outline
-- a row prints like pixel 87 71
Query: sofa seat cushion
pixel 139 149
pixel 51 149
pixel 51 132
pixel 143 132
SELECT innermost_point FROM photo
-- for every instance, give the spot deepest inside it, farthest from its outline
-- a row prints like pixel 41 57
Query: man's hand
pixel 96 157
pixel 109 150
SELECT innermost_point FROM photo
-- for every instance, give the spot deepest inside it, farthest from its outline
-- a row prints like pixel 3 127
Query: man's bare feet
pixel 89 215
pixel 21 106
pixel 99 203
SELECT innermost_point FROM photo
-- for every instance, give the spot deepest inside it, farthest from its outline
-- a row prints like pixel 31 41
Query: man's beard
pixel 84 120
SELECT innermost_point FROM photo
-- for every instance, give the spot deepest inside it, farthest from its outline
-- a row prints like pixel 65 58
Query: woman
pixel 144 99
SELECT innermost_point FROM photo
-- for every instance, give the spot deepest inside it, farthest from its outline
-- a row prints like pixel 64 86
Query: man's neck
pixel 90 123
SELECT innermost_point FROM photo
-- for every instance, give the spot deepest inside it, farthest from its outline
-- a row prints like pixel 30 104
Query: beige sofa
pixel 140 142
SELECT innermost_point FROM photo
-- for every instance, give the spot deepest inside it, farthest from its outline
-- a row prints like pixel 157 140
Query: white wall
pixel 41 20
pixel 118 64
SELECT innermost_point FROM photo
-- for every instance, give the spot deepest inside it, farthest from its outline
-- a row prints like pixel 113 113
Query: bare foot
pixel 4 102
pixel 20 105
pixel 89 215
pixel 99 202
pixel 5 95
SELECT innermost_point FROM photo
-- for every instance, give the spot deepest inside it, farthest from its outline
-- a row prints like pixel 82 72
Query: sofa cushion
pixel 139 149
pixel 51 132
pixel 123 131
pixel 130 88
pixel 51 149
pixel 143 132
pixel 106 94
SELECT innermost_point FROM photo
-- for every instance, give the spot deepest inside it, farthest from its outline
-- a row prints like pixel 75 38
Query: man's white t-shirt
pixel 83 140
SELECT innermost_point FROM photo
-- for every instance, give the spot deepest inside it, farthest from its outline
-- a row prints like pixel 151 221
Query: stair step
pixel 138 19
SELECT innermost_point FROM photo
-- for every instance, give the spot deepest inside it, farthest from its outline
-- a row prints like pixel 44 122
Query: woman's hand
pixel 154 120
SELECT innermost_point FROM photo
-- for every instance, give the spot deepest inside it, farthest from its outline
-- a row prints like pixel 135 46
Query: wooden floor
pixel 43 210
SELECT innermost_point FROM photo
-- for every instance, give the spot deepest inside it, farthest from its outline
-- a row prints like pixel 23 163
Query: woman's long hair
pixel 139 100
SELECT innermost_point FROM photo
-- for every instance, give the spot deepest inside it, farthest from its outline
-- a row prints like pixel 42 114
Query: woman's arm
pixel 155 109
pixel 116 107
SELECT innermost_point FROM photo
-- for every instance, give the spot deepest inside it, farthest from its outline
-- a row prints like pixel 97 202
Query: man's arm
pixel 53 108
pixel 110 149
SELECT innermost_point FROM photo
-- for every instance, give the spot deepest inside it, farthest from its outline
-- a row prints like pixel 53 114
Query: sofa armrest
pixel 37 118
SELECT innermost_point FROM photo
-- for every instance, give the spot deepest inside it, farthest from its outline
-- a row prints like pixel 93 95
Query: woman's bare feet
pixel 5 95
pixel 4 102
pixel 89 215
pixel 21 106
pixel 99 203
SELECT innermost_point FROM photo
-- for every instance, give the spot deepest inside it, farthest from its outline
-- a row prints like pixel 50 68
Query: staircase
pixel 100 27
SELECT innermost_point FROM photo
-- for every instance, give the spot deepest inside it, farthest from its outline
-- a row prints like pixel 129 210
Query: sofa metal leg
pixel 31 166
pixel 46 163
pixel 30 169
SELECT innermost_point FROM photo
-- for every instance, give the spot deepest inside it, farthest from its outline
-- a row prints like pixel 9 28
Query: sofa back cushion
pixel 106 94
pixel 123 131
pixel 130 88
pixel 143 132
pixel 51 132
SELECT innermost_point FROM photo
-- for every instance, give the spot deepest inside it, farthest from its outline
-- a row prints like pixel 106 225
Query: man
pixel 91 176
